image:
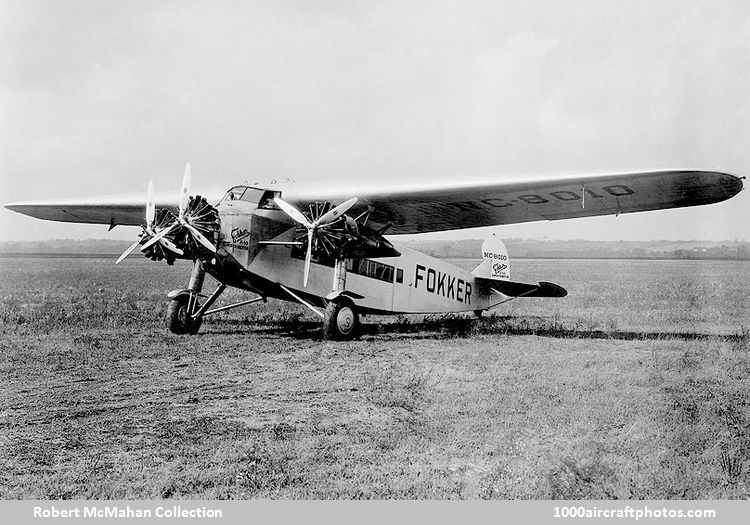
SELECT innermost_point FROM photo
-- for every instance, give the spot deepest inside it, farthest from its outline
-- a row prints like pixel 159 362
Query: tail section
pixel 496 263
pixel 494 270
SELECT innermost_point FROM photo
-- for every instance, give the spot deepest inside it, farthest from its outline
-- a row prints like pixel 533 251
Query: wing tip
pixel 727 185
pixel 15 206
pixel 736 184
pixel 28 209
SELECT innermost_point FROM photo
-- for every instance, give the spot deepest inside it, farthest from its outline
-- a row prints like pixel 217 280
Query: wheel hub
pixel 345 320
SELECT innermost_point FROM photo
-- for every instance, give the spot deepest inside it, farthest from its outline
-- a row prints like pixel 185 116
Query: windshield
pixel 235 193
pixel 243 193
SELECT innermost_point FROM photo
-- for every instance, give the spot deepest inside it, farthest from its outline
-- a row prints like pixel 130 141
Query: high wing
pixel 429 206
pixel 420 207
pixel 125 210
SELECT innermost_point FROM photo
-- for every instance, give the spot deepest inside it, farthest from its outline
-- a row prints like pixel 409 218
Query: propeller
pixel 321 222
pixel 182 218
pixel 149 228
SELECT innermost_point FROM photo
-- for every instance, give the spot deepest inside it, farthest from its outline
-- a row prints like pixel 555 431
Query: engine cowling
pixel 202 216
pixel 345 238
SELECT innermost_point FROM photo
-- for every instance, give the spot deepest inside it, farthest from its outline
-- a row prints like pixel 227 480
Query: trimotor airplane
pixel 324 246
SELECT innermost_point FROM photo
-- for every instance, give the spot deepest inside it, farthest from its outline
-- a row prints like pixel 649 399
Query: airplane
pixel 325 246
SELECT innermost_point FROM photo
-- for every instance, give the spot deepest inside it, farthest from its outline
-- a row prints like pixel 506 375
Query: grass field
pixel 637 385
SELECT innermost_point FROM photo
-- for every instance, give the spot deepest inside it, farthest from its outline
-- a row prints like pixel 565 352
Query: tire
pixel 341 321
pixel 178 320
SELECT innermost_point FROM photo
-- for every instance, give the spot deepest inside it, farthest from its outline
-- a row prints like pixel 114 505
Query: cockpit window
pixel 235 193
pixel 244 193
pixel 267 203
pixel 252 195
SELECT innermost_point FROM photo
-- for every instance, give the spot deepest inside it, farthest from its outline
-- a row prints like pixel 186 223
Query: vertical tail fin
pixel 496 263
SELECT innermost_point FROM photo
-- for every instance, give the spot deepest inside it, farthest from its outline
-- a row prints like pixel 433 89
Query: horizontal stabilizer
pixel 542 289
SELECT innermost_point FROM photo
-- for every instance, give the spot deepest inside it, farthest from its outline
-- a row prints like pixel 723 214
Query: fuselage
pixel 411 283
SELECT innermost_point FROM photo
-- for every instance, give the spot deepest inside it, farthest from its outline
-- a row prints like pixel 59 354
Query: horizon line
pixel 450 239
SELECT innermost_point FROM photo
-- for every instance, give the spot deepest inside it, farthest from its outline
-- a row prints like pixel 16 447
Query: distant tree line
pixel 581 249
pixel 467 248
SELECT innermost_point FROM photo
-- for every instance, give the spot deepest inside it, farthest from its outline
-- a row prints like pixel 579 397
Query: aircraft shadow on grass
pixel 446 327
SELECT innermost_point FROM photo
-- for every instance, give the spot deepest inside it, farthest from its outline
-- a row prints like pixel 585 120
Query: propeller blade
pixel 128 251
pixel 169 245
pixel 308 257
pixel 335 213
pixel 293 212
pixel 156 238
pixel 200 237
pixel 150 205
pixel 185 192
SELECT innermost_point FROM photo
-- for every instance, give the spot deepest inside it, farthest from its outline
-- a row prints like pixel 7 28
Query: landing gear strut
pixel 185 313
pixel 180 319
pixel 341 320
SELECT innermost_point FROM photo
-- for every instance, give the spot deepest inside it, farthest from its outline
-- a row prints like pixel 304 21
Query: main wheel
pixel 178 318
pixel 341 320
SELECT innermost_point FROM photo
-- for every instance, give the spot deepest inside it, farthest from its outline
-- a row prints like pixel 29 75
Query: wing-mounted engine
pixel 191 233
pixel 344 238
pixel 203 218
pixel 161 250
pixel 332 235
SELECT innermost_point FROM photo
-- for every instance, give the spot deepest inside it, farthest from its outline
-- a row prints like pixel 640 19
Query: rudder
pixel 496 262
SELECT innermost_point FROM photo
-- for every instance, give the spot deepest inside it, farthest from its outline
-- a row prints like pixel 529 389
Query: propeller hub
pixel 166 235
pixel 319 217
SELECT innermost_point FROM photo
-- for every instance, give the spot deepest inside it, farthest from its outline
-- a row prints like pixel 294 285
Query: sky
pixel 100 97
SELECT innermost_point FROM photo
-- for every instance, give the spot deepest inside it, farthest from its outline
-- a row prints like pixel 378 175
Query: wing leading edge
pixel 124 210
pixel 420 207
pixel 430 207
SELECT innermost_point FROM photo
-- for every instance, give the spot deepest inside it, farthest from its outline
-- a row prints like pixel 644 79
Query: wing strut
pixel 302 301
